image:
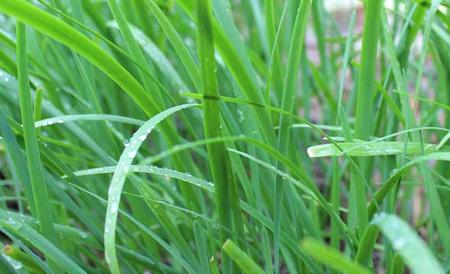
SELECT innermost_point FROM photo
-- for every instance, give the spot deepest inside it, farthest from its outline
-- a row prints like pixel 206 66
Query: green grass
pixel 224 136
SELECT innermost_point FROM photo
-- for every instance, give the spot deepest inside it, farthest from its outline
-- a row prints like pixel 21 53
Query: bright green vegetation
pixel 224 136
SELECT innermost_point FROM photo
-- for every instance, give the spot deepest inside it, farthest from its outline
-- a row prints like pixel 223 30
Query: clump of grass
pixel 224 137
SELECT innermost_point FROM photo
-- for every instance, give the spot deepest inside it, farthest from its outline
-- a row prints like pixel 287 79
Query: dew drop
pixel 83 235
pixel 399 243
pixel 241 115
pixel 15 224
pixel 114 207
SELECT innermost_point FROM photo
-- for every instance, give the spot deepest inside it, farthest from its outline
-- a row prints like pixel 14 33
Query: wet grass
pixel 224 137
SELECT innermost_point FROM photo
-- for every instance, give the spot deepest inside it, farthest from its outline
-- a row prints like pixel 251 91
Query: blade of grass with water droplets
pixel 88 117
pixel 119 178
pixel 151 170
pixel 363 149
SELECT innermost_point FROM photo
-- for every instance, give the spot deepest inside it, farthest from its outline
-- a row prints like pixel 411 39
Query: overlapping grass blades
pixel 308 128
pixel 64 33
pixel 118 181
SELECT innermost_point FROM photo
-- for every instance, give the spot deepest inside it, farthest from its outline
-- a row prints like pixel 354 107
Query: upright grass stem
pixel 38 184
pixel 227 200
pixel 364 107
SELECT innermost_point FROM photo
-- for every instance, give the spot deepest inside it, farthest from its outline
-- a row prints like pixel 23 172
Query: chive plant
pixel 224 136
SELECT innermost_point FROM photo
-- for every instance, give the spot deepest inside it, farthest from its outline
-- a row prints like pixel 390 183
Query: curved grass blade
pixel 408 244
pixel 189 179
pixel 64 33
pixel 118 182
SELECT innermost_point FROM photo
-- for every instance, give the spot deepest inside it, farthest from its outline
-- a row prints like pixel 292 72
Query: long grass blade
pixel 118 181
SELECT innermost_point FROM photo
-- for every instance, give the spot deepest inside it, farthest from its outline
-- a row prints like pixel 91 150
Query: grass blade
pixel 413 250
pixel 119 178
pixel 364 106
pixel 227 201
pixel 246 264
pixel 38 185
pixel 362 149
pixel 331 257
